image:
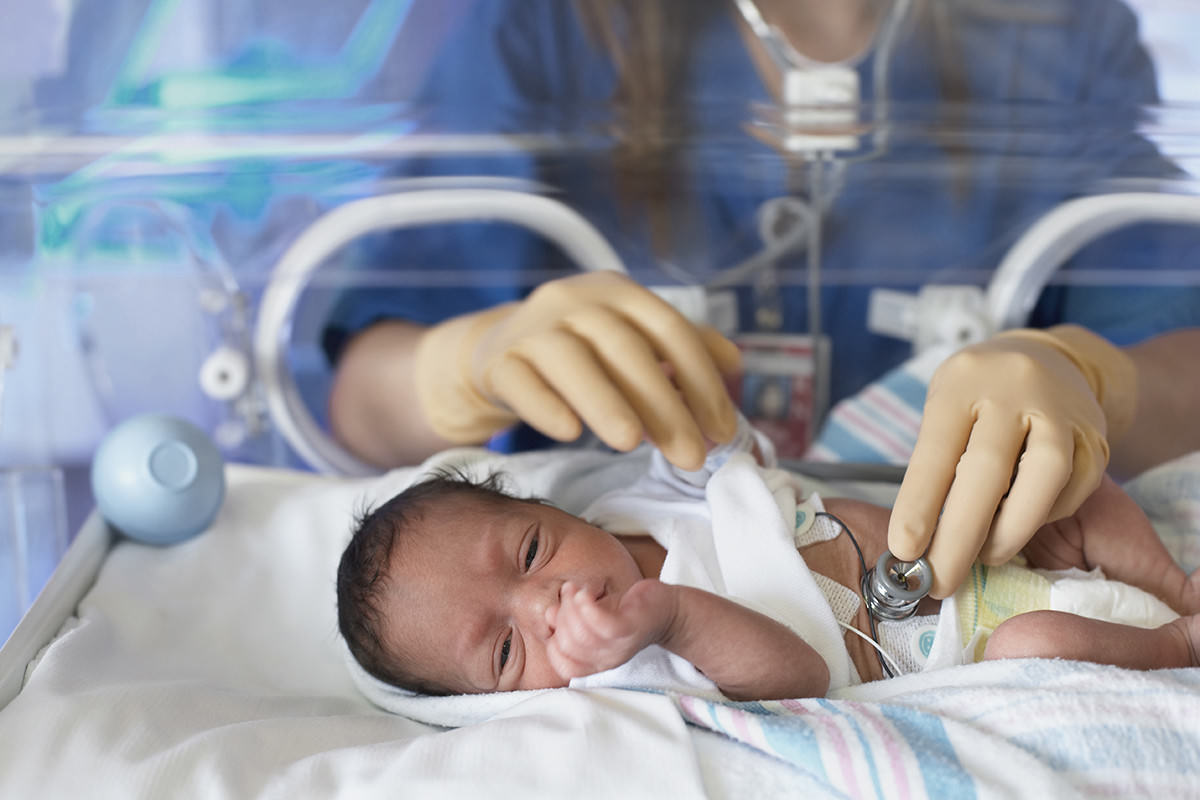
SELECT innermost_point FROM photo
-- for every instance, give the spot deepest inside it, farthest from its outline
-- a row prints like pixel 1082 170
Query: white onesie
pixel 733 536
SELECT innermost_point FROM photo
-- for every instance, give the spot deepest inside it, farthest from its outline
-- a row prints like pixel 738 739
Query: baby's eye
pixel 532 553
pixel 504 650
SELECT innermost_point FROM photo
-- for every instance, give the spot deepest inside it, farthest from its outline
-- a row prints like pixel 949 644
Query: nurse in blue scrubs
pixel 999 112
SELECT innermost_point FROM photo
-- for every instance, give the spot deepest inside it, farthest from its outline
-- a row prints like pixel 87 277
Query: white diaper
pixel 991 595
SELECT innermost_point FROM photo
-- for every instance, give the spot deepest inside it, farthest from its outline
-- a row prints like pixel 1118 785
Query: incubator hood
pixel 137 248
pixel 157 192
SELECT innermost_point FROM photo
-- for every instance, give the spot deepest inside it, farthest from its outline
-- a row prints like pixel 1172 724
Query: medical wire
pixel 878 648
pixel 874 637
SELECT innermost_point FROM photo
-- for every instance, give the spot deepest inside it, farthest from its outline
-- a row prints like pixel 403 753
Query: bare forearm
pixel 373 406
pixel 748 655
pixel 1165 424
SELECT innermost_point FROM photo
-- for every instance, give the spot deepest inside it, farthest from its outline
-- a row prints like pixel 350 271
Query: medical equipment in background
pixel 818 129
pixel 955 316
pixel 819 103
pixel 33 518
pixel 158 479
pixel 224 374
pixel 264 71
pixel 157 180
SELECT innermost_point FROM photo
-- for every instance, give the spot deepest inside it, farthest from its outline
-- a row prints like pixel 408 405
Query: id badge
pixel 783 389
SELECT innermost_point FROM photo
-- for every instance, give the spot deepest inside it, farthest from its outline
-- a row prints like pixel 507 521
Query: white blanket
pixel 735 539
pixel 213 669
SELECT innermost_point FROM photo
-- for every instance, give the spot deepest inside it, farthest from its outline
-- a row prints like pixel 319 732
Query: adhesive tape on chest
pixel 843 600
pixel 811 528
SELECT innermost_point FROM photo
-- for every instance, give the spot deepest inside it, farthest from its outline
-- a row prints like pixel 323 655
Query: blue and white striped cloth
pixel 1027 728
pixel 879 424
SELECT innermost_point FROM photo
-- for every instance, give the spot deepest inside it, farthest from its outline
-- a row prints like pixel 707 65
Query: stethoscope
pixel 891 591
pixel 892 588
pixel 816 125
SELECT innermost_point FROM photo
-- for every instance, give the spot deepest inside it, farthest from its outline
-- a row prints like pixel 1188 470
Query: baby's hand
pixel 593 635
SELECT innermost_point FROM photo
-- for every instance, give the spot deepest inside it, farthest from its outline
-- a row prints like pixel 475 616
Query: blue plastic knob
pixel 158 479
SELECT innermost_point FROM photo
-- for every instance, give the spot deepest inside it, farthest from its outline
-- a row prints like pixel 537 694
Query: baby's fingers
pixel 599 620
pixel 572 629
pixel 563 664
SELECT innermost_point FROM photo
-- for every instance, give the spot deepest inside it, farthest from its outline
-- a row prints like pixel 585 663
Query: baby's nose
pixel 538 604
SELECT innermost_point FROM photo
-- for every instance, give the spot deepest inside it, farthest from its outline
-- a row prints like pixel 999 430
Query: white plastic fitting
pixel 953 316
pixel 225 374
pixel 961 315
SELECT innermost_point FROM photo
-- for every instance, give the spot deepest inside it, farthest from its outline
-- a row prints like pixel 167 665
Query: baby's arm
pixel 748 655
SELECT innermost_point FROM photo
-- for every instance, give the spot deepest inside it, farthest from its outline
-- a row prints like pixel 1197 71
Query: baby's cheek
pixel 542 671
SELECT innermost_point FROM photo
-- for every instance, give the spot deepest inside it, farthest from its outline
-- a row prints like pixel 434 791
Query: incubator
pixel 178 230
pixel 201 200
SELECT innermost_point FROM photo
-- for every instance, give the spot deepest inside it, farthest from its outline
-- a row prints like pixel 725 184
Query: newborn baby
pixel 453 586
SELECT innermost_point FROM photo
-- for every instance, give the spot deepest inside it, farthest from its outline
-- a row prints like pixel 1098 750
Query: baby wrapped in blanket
pixel 719 583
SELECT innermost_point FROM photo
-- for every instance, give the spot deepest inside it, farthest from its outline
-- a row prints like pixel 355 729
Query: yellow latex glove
pixel 1014 435
pixel 594 348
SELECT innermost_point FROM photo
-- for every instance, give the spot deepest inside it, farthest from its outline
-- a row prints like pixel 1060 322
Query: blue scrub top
pixel 1053 109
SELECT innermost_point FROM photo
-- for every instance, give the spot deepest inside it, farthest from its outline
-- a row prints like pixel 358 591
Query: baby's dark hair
pixel 362 575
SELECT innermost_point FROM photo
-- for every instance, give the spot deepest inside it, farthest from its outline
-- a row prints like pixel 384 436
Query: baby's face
pixel 469 592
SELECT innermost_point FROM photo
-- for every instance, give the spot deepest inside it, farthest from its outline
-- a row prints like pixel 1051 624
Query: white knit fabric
pixel 738 543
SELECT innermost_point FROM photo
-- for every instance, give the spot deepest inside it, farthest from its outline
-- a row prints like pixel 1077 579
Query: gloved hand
pixel 1013 436
pixel 595 347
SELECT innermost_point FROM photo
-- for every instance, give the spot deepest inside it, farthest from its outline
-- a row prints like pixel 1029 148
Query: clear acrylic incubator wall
pixel 159 158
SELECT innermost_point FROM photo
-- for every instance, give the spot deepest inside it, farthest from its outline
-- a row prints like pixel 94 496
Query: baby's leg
pixel 1057 634
pixel 1110 531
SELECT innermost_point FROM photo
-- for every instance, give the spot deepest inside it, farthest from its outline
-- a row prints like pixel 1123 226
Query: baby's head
pixel 444 589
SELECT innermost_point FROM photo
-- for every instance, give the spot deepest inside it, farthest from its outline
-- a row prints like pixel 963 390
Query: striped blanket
pixel 1031 728
pixel 879 426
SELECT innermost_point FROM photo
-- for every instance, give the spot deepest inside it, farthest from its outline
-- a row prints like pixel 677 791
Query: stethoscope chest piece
pixel 893 588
